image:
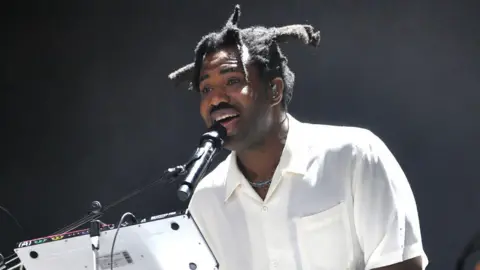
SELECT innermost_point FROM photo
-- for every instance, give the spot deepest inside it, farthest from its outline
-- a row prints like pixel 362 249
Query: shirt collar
pixel 294 158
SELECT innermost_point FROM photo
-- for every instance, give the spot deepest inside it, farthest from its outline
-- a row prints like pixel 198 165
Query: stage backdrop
pixel 90 114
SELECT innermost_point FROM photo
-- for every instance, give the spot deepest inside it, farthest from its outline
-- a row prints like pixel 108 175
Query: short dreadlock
pixel 262 45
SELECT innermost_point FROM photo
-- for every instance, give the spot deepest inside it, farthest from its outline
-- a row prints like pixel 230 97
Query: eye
pixel 205 90
pixel 232 81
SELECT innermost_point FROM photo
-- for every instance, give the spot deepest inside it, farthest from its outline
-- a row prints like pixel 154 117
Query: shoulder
pixel 335 138
pixel 217 176
pixel 212 186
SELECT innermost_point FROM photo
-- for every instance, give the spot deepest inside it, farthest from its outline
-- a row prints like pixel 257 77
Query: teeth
pixel 220 118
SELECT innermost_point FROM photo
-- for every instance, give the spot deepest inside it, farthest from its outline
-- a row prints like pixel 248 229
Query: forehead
pixel 225 56
pixel 225 60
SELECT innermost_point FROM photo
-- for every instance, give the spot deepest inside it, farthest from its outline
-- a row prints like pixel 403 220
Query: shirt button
pixel 275 264
pixel 264 209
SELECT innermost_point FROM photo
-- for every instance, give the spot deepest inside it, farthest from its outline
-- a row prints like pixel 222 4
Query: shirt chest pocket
pixel 324 239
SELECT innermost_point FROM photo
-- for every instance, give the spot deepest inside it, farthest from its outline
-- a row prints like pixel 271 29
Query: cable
pixel 116 234
pixel 3 260
pixel 168 177
pixel 13 218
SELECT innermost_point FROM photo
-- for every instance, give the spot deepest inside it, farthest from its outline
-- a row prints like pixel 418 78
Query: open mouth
pixel 229 122
pixel 227 118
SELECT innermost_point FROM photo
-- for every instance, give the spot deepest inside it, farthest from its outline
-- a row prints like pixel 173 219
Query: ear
pixel 276 90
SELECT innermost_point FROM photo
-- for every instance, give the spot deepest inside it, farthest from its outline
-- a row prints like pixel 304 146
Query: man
pixel 292 195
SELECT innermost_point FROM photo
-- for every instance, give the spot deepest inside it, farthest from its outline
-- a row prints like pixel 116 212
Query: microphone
pixel 210 143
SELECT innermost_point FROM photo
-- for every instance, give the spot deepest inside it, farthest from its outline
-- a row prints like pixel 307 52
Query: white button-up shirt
pixel 338 200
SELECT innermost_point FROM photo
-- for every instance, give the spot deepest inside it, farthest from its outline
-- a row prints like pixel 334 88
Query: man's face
pixel 226 97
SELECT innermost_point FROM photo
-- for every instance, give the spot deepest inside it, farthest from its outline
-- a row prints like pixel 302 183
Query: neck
pixel 259 163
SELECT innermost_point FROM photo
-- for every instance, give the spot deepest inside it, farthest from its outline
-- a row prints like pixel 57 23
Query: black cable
pixel 116 234
pixel 13 218
pixel 168 177
pixel 4 260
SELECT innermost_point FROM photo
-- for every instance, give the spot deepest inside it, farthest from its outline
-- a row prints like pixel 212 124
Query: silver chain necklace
pixel 260 184
pixel 266 183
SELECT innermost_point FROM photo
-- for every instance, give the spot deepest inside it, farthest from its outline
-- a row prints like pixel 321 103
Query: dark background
pixel 89 113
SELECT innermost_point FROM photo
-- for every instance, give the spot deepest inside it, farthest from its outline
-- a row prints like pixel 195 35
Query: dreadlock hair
pixel 263 48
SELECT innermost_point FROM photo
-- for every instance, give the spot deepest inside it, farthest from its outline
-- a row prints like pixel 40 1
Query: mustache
pixel 220 106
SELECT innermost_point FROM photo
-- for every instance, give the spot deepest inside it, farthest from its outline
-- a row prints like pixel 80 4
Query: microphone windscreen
pixel 220 129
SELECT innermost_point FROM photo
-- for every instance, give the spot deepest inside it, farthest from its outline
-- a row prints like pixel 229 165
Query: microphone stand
pixel 211 142
pixel 94 232
pixel 168 174
pixel 98 211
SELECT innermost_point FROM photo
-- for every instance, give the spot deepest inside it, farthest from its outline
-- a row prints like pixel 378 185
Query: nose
pixel 218 95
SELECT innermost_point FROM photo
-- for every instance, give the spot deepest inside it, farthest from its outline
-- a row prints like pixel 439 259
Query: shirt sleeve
pixel 385 212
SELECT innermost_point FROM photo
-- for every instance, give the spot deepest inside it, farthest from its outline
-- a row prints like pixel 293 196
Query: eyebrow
pixel 222 71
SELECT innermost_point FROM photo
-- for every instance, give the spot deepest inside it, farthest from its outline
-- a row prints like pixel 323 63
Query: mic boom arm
pixel 210 143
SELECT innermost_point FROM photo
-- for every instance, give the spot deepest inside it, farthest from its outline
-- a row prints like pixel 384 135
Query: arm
pixel 385 212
